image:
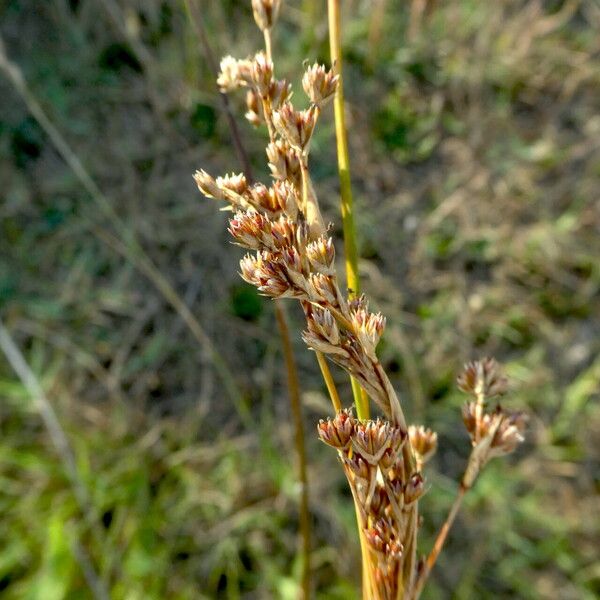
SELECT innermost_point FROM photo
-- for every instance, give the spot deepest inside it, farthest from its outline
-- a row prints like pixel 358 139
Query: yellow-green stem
pixel 351 255
pixel 333 393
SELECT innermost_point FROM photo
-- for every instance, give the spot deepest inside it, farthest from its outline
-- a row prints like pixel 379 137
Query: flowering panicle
pixel 292 255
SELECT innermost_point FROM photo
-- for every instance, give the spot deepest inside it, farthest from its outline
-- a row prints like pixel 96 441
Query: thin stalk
pixel 439 543
pixel 268 44
pixel 352 276
pixel 333 393
pixel 295 402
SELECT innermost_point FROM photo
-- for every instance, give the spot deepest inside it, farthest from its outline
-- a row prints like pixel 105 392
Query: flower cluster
pixel 292 255
pixel 494 433
pixel 386 486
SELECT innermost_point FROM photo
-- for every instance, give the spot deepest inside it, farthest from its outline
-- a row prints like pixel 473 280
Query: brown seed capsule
pixel 321 322
pixel 322 288
pixel 265 12
pixel 482 377
pixel 252 230
pixel 285 198
pixel 414 488
pixel 372 439
pixel 338 431
pixel 319 83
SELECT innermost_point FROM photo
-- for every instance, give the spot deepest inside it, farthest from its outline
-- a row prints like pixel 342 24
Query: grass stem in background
pixel 295 403
pixel 351 255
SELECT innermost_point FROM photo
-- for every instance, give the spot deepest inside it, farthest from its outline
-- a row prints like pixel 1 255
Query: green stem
pixel 352 277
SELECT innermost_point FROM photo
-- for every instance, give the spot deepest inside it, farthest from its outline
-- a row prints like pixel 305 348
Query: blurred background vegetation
pixel 475 144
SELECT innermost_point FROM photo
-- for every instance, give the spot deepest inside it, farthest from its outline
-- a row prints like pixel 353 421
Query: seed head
pixel 369 328
pixel 283 161
pixel 295 126
pixel 262 73
pixel 483 377
pixel 358 465
pixel 337 432
pixel 268 274
pixel 233 73
pixel 252 230
pixel 207 185
pixel 285 198
pixel 279 92
pixel 323 288
pixel 509 433
pixel 265 12
pixel 321 254
pixel 319 83
pixel 423 442
pixel 373 438
pixel 236 183
pixel 321 323
pixel 414 488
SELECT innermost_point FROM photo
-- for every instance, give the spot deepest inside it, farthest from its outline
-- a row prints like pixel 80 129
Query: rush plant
pixel 292 256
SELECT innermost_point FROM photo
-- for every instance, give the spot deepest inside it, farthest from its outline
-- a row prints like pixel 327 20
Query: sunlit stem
pixel 361 399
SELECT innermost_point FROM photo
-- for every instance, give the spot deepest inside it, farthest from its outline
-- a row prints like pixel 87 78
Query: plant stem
pixel 333 393
pixel 439 543
pixel 352 277
pixel 295 402
pixel 268 51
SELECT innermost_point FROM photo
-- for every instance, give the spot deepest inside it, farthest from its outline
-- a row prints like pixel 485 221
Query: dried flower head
pixel 265 12
pixel 319 83
pixel 283 161
pixel 233 73
pixel 207 185
pixel 295 126
pixel 369 328
pixel 262 73
pixel 279 92
pixel 509 433
pixel 337 432
pixel 321 254
pixel 482 377
pixel 414 488
pixel 373 438
pixel 423 442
